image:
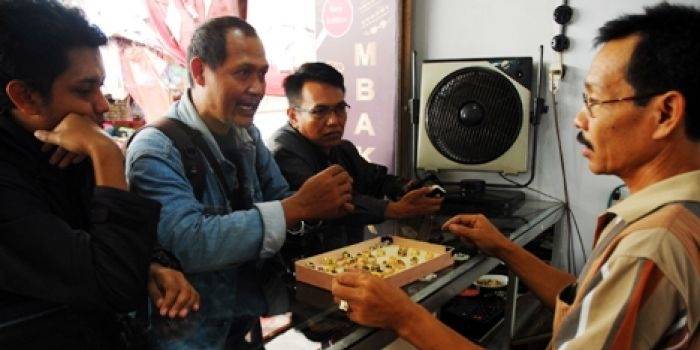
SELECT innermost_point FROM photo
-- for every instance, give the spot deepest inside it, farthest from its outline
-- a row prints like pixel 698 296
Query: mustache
pixel 582 140
pixel 334 132
pixel 250 100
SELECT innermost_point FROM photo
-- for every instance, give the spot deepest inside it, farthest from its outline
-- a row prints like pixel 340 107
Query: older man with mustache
pixel 641 287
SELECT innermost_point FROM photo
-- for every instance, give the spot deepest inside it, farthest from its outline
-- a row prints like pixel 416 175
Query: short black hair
pixel 209 40
pixel 35 38
pixel 667 56
pixel 312 71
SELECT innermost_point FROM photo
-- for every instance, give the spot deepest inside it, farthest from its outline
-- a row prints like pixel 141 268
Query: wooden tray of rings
pixel 398 260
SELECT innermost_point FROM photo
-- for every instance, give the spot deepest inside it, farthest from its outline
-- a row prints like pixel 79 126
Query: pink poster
pixel 360 38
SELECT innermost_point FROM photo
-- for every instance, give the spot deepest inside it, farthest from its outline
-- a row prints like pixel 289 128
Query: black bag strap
pixel 181 136
pixel 190 143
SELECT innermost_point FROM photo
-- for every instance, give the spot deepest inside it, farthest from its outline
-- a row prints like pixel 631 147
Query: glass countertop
pixel 313 320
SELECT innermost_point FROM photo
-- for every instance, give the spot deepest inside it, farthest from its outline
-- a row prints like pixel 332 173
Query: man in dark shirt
pixel 312 140
pixel 75 246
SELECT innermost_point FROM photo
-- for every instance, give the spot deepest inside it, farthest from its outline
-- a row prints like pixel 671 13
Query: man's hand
pixel 170 292
pixel 542 279
pixel 61 157
pixel 323 196
pixel 77 137
pixel 372 301
pixel 413 203
pixel 480 231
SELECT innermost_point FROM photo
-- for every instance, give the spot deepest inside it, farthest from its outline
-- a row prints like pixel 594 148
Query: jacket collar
pixel 23 143
pixel 185 111
pixel 20 148
pixel 295 142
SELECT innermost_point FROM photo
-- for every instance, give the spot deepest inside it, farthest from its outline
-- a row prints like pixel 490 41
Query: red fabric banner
pixel 174 21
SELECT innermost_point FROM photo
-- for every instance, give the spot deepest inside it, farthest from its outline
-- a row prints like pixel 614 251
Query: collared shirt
pixel 215 245
pixel 641 287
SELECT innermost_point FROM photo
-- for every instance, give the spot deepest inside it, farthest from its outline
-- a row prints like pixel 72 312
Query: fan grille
pixel 473 115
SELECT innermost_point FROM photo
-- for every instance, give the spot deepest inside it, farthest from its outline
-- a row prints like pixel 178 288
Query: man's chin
pixel 596 169
pixel 333 142
pixel 327 143
pixel 333 138
pixel 243 121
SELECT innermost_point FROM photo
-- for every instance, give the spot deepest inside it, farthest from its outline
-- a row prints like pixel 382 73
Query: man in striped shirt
pixel 641 287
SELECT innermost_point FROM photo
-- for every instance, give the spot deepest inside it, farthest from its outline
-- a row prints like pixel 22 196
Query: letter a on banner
pixel 364 124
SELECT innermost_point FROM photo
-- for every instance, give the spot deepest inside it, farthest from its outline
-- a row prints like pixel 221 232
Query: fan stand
pixel 490 202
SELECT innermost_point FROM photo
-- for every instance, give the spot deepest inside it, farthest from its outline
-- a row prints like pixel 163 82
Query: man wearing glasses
pixel 312 140
pixel 641 287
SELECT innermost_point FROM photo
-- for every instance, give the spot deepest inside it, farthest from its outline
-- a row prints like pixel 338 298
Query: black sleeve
pixel 371 187
pixel 104 267
pixel 294 169
pixel 368 209
pixel 372 179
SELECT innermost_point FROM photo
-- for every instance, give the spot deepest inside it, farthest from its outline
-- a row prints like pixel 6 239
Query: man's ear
pixel 293 117
pixel 197 70
pixel 25 99
pixel 670 114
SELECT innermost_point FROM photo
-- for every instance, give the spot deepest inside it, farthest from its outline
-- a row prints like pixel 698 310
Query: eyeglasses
pixel 590 102
pixel 324 111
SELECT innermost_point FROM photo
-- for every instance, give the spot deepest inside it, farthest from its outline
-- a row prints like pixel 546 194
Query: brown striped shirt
pixel 641 287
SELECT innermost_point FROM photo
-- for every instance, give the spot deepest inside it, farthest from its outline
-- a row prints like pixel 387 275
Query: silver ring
pixel 343 305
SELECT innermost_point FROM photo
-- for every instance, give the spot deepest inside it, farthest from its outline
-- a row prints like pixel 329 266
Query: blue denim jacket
pixel 215 245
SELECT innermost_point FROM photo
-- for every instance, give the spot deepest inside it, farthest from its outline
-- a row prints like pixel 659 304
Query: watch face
pixel 166 260
pixel 298 229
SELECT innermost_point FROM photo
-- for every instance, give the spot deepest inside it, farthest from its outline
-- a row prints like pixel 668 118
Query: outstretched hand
pixel 414 203
pixel 478 230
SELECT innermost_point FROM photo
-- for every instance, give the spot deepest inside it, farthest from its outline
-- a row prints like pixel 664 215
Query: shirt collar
pixel 185 111
pixel 682 187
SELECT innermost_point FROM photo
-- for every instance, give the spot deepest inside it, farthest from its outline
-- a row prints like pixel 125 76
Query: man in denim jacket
pixel 218 240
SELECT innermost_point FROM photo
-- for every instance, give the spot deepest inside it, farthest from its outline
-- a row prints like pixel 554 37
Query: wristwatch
pixel 303 227
pixel 165 258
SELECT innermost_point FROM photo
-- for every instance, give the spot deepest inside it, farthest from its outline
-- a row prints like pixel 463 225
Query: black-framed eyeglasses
pixel 590 102
pixel 324 111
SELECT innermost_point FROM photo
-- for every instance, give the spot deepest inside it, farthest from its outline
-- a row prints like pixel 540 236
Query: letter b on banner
pixel 365 89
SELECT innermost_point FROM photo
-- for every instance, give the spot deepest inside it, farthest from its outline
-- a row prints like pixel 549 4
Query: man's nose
pixel 258 86
pixel 100 105
pixel 581 120
pixel 335 117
